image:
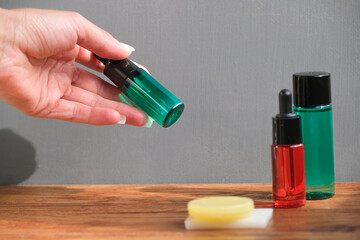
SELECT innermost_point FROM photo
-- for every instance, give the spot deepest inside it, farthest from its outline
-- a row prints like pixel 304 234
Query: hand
pixel 38 49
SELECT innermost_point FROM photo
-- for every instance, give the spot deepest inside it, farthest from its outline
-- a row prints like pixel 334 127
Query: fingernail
pixel 128 47
pixel 149 122
pixel 122 119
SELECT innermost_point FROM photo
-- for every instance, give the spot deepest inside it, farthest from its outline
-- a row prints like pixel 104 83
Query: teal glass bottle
pixel 312 102
pixel 150 96
pixel 144 91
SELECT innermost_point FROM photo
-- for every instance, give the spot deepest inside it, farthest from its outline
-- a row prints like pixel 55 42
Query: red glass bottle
pixel 288 159
pixel 288 175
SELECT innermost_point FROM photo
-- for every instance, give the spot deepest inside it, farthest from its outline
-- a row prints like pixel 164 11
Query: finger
pixel 99 41
pixel 86 58
pixel 134 116
pixel 94 84
pixel 80 113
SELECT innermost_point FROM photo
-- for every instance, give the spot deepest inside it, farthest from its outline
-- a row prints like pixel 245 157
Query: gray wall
pixel 226 60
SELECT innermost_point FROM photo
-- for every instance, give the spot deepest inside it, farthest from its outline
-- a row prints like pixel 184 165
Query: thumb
pixel 99 41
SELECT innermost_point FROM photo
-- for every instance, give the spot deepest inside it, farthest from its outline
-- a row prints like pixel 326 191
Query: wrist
pixel 6 29
pixel 7 35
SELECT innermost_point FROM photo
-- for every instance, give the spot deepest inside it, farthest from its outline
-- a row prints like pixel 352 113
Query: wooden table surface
pixel 158 212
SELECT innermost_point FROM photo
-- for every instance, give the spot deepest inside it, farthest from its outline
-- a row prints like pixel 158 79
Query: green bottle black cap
pixel 311 89
pixel 143 90
pixel 118 70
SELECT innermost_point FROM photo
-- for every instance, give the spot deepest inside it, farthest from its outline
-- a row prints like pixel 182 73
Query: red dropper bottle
pixel 288 161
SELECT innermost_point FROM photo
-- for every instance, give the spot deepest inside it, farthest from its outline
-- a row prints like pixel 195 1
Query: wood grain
pixel 158 212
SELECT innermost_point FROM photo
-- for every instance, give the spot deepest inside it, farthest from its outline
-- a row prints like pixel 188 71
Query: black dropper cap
pixel 286 124
pixel 117 70
pixel 311 89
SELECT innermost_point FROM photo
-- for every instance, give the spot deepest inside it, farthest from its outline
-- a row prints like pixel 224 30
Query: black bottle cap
pixel 286 124
pixel 117 70
pixel 311 89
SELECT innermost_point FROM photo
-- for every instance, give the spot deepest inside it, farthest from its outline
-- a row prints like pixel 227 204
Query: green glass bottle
pixel 144 91
pixel 312 102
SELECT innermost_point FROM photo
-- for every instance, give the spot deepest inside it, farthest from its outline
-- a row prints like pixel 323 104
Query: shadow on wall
pixel 17 158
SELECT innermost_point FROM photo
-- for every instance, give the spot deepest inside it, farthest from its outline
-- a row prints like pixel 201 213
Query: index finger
pixel 99 41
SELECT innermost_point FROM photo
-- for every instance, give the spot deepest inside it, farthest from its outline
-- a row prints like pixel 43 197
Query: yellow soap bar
pixel 220 209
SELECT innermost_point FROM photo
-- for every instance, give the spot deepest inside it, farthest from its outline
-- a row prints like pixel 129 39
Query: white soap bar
pixel 258 218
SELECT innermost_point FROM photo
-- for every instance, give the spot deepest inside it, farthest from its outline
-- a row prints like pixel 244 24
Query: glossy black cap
pixel 286 124
pixel 117 70
pixel 311 89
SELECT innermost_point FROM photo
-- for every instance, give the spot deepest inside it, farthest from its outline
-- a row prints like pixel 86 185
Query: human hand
pixel 38 49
